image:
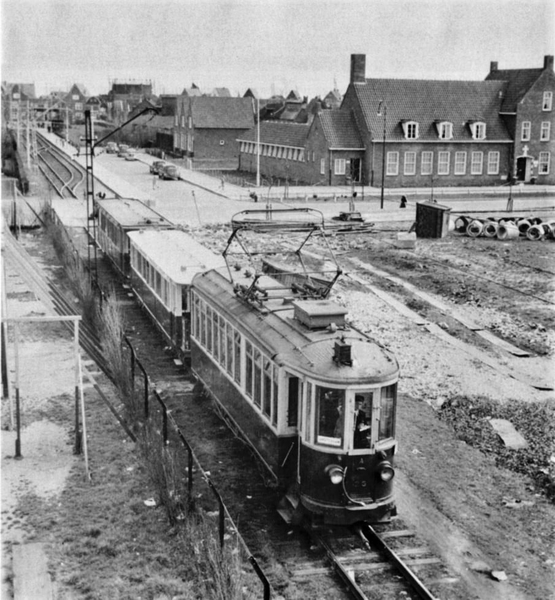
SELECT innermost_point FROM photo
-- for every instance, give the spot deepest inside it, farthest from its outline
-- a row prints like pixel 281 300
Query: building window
pixel 427 163
pixel 190 122
pixel 476 164
pixel 410 129
pixel 78 106
pixel 493 163
pixel 339 166
pixel 182 120
pixel 547 102
pixel 410 163
pixel 75 97
pixel 443 163
pixel 545 131
pixel 322 166
pixel 526 129
pixel 445 130
pixel 176 120
pixel 543 163
pixel 392 163
pixel 460 163
pixel 478 131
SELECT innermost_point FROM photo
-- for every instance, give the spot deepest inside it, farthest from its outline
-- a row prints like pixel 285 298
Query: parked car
pixel 122 149
pixel 111 148
pixel 169 172
pixel 157 166
pixel 130 156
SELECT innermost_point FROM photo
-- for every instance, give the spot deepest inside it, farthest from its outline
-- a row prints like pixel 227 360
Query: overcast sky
pixel 270 45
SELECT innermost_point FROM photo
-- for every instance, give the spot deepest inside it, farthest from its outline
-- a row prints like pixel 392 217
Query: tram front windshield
pixel 354 419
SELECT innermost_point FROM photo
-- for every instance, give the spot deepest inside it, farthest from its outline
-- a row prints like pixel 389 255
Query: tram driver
pixel 361 426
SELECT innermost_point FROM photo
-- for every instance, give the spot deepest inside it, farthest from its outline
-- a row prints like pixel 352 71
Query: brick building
pixel 206 129
pixel 405 132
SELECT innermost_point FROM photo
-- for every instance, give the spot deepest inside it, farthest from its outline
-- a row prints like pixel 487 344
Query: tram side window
pixel 222 342
pixel 387 412
pixel 249 368
pixel 275 396
pixel 202 307
pixel 209 329
pixel 330 416
pixel 216 330
pixel 257 394
pixel 267 387
pixel 237 356
pixel 229 344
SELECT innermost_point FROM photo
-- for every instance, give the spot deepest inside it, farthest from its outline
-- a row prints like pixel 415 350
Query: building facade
pixel 425 133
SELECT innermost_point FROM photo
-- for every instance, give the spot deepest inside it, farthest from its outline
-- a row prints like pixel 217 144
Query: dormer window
pixel 478 129
pixel 410 129
pixel 444 130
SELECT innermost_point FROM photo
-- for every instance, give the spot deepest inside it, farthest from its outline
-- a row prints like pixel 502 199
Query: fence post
pixel 261 576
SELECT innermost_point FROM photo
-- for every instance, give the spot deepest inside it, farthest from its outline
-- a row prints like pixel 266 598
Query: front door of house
pixel 355 170
pixel 523 168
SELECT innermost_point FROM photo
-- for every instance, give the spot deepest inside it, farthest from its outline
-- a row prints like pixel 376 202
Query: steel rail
pixel 418 587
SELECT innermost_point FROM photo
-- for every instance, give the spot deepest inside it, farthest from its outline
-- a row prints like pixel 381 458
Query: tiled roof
pixel 519 81
pixel 222 113
pixel 340 129
pixel 279 134
pixel 221 92
pixel 427 102
pixel 191 92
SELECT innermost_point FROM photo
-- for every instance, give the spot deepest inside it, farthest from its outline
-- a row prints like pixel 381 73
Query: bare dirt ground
pixel 457 483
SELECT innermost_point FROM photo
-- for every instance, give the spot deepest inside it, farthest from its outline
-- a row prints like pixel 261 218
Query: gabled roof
pixel 210 112
pixel 279 134
pixel 428 102
pixel 294 96
pixel 24 89
pixel 192 91
pixel 519 81
pixel 340 129
pixel 222 92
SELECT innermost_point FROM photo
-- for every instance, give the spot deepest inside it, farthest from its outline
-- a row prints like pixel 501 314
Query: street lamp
pixel 380 105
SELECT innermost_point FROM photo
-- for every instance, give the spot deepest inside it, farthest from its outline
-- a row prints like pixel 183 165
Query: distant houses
pixel 381 132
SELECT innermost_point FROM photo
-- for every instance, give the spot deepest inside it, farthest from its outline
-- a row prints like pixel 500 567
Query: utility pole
pixel 258 142
pixel 382 103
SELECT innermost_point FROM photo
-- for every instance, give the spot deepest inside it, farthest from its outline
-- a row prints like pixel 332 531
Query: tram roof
pixel 175 253
pixel 130 212
pixel 289 342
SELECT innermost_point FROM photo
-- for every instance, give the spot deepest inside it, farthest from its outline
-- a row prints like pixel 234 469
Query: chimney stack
pixel 548 62
pixel 493 66
pixel 358 68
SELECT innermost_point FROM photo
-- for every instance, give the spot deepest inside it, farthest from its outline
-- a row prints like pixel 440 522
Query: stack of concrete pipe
pixel 507 228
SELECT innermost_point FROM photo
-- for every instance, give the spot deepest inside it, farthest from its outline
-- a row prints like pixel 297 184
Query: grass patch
pixel 469 417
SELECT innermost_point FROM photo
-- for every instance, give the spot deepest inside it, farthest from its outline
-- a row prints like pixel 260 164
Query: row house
pixel 206 129
pixel 400 132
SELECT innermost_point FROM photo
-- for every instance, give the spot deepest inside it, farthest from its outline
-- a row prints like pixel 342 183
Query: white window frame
pixel 190 122
pixel 545 131
pixel 411 130
pixel 526 131
pixel 339 166
pixel 547 101
pixel 493 162
pixel 478 130
pixel 427 166
pixel 443 162
pixel 78 106
pixel 445 130
pixel 322 166
pixel 544 163
pixel 392 163
pixel 477 163
pixel 460 163
pixel 183 121
pixel 409 166
pixel 75 97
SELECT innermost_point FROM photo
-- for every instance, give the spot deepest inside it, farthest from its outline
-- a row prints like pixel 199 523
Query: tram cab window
pixel 387 412
pixel 329 416
pixel 293 401
pixel 362 419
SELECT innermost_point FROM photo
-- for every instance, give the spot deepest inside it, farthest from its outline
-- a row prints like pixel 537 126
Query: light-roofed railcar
pixel 162 266
pixel 116 218
pixel 315 397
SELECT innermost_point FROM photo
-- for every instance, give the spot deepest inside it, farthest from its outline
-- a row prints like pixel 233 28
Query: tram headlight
pixel 386 471
pixel 335 473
